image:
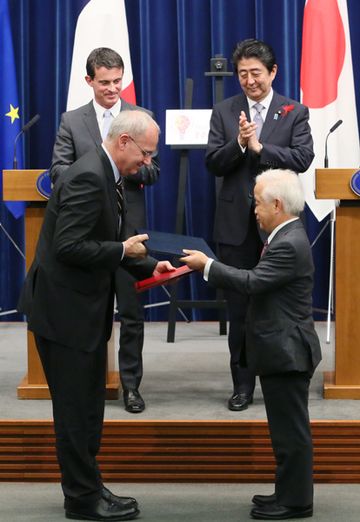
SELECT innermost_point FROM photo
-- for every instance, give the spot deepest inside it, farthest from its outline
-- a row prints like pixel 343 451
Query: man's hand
pixel 247 134
pixel 246 130
pixel 195 260
pixel 134 246
pixel 163 266
pixel 254 144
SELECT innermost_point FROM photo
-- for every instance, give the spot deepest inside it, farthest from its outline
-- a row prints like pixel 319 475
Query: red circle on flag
pixel 323 52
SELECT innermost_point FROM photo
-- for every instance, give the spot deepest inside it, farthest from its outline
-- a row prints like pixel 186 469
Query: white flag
pixel 327 86
pixel 101 23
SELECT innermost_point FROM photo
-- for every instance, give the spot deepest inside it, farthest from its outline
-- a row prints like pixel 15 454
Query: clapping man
pixel 249 133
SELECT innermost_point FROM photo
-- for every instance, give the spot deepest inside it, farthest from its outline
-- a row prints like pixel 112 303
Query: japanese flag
pixel 327 86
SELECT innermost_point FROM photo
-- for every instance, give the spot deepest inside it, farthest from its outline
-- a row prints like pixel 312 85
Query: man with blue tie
pixel 249 133
pixel 82 130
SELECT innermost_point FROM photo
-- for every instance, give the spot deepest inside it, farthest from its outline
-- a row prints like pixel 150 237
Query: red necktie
pixel 264 248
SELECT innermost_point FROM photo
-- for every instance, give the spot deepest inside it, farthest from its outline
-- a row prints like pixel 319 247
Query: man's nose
pixel 112 86
pixel 147 160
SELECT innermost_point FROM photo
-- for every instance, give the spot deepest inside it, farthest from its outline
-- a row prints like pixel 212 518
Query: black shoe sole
pixel 242 408
pixel 77 516
pixel 304 514
pixel 131 410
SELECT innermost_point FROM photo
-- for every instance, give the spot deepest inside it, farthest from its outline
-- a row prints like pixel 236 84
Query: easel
pixel 175 303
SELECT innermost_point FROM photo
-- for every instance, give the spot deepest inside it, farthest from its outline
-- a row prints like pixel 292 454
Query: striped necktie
pixel 258 119
pixel 120 196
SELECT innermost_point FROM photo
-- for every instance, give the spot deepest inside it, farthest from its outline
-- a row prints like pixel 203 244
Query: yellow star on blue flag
pixel 10 124
pixel 13 113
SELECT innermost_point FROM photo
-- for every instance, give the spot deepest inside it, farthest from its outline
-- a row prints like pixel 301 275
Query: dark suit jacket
pixel 280 334
pixel 79 133
pixel 68 295
pixel 287 143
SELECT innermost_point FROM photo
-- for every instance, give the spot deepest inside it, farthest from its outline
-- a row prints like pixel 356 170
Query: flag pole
pixel 331 276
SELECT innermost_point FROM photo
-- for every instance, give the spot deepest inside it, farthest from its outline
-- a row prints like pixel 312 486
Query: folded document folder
pixel 173 244
pixel 161 279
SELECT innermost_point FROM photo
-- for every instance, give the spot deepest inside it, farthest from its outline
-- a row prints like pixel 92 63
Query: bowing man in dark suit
pixel 243 142
pixel 68 297
pixel 281 343
pixel 82 130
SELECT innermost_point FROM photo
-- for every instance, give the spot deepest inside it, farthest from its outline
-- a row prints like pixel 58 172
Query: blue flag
pixel 10 123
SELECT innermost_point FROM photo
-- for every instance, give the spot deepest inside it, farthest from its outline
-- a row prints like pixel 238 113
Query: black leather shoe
pixel 239 401
pixel 276 512
pixel 101 509
pixel 123 501
pixel 133 401
pixel 264 500
pixel 106 494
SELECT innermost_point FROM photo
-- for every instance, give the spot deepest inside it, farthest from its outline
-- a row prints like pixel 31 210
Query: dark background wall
pixel 170 40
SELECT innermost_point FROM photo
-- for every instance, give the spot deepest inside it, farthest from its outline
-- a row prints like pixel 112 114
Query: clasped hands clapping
pixel 247 134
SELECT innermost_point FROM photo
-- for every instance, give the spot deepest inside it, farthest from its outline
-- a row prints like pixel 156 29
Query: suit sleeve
pixel 223 155
pixel 275 269
pixel 81 203
pixel 64 150
pixel 299 153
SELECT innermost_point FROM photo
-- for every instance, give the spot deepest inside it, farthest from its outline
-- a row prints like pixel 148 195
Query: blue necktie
pixel 106 123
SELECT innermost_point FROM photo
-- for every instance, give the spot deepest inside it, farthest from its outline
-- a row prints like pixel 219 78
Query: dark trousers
pixel 244 256
pixel 131 330
pixel 286 398
pixel 76 382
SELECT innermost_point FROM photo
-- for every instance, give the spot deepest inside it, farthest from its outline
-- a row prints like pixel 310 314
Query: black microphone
pixel 25 128
pixel 333 128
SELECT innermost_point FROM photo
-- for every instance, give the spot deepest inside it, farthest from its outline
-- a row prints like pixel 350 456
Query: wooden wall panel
pixel 180 451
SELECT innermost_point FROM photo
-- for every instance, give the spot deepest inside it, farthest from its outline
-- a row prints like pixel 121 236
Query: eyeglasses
pixel 145 153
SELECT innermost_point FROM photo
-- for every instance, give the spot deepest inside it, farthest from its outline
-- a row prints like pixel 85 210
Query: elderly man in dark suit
pixel 281 343
pixel 249 133
pixel 81 130
pixel 68 298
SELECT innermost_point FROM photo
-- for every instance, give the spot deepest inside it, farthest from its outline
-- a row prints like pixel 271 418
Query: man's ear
pixel 88 80
pixel 278 205
pixel 273 72
pixel 122 141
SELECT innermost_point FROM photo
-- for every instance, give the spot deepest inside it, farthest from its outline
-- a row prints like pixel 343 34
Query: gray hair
pixel 283 184
pixel 131 122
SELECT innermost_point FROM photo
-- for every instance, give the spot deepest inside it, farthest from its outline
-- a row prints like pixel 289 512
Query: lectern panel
pixel 347 305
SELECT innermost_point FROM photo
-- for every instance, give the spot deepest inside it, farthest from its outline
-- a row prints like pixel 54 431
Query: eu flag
pixel 9 104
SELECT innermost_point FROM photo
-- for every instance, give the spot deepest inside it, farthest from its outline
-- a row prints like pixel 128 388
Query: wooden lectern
pixel 344 383
pixel 20 185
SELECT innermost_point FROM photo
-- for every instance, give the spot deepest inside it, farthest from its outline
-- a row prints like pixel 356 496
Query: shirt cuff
pixel 207 269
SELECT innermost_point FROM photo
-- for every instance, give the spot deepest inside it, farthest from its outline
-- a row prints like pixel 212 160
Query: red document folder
pixel 162 279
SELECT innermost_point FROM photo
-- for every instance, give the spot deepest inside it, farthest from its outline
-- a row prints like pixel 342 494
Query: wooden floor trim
pixel 180 451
